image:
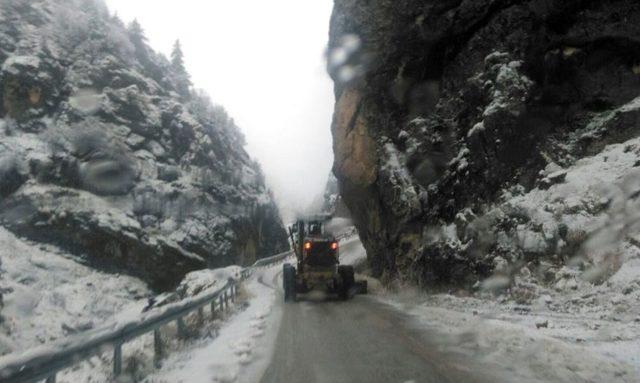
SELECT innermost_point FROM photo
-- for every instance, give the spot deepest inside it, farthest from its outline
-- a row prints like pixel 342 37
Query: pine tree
pixel 180 75
pixel 177 58
pixel 141 51
pixel 136 33
pixel 96 43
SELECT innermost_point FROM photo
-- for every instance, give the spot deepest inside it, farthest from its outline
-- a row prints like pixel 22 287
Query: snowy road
pixel 362 340
pixel 357 341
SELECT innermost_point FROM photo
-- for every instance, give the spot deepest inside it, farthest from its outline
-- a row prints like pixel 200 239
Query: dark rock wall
pixel 441 105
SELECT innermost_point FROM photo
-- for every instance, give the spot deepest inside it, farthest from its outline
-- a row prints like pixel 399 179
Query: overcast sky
pixel 264 62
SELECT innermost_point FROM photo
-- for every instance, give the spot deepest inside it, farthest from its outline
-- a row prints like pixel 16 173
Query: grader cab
pixel 318 262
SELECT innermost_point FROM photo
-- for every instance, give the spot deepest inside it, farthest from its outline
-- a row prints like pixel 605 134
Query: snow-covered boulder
pixel 197 283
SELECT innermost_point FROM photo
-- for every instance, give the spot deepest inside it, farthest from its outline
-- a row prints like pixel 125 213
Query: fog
pixel 264 62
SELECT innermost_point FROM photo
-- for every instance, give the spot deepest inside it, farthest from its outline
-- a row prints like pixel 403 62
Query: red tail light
pixel 334 246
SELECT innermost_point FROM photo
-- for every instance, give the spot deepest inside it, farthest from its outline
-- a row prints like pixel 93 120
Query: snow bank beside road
pixel 47 295
pixel 75 293
pixel 238 352
pixel 531 343
pixel 138 354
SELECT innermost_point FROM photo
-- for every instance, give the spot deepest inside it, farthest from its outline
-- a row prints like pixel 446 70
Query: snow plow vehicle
pixel 318 263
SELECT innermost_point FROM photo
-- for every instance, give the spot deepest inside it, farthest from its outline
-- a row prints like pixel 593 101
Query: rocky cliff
pixel 106 151
pixel 469 136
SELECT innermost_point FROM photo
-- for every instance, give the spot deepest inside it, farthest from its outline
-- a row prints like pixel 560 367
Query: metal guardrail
pixel 43 363
pixel 271 260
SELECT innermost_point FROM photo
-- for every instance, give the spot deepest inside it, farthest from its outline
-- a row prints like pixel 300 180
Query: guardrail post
pixel 201 314
pixel 221 303
pixel 182 328
pixel 117 359
pixel 226 299
pixel 213 309
pixel 157 348
pixel 234 291
pixel 51 379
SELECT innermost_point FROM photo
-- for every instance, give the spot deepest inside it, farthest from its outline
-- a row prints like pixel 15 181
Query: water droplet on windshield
pixel 343 59
pixel 86 101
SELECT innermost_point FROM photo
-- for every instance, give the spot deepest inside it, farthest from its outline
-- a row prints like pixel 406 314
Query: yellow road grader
pixel 318 263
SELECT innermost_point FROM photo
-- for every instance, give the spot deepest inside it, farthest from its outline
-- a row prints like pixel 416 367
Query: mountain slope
pixel 106 152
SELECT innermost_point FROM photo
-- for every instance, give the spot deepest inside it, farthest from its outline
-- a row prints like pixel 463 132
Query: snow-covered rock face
pixel 102 152
pixel 463 121
pixel 332 200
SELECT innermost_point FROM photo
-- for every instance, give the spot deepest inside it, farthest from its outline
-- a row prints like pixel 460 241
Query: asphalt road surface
pixel 360 340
